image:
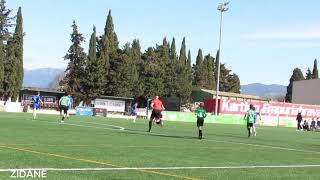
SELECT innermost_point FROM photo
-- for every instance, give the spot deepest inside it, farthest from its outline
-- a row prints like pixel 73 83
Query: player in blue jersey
pixel 256 118
pixel 133 111
pixel 70 105
pixel 36 103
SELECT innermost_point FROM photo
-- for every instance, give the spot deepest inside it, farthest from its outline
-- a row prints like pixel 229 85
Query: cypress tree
pixel 173 50
pixel 126 82
pixel 189 59
pixel 111 35
pixel 233 83
pixel 94 81
pixel 75 72
pixel 104 61
pixel 136 64
pixel 309 74
pixel 297 75
pixel 315 74
pixel 224 74
pixel 122 71
pixel 5 21
pixel 10 66
pixel 189 77
pixel 153 73
pixel 210 84
pixel 171 76
pixel 183 52
pixel 2 58
pixel 18 40
pixel 184 74
pixel 199 71
pixel 165 51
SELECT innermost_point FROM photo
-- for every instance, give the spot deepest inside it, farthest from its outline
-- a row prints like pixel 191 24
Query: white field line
pixel 212 140
pixel 266 146
pixel 164 168
pixel 79 125
pixel 250 144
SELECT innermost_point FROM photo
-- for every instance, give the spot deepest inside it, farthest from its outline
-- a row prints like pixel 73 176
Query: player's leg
pixel 60 108
pixel 64 113
pixel 134 117
pixel 35 107
pixel 34 113
pixel 200 132
pixel 151 120
pixel 254 129
pixel 200 125
pixel 160 118
pixel 249 129
pixel 67 112
pixel 150 124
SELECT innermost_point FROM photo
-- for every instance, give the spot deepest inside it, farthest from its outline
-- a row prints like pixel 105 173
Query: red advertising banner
pixel 277 109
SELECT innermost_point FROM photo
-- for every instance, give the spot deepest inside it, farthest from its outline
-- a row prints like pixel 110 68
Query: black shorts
pixel 156 114
pixel 64 108
pixel 200 122
pixel 249 125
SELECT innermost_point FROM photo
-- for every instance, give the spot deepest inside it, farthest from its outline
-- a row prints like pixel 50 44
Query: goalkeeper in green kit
pixel 201 113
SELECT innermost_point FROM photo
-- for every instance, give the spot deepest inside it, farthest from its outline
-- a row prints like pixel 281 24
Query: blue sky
pixel 263 40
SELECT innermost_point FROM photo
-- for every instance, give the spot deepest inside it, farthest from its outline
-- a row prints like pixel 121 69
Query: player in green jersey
pixel 249 117
pixel 201 113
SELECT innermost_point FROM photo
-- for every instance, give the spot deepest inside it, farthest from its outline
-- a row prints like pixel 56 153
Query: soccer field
pixel 100 148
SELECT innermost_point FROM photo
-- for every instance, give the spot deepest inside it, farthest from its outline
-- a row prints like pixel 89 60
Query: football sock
pixel 200 134
pixel 150 124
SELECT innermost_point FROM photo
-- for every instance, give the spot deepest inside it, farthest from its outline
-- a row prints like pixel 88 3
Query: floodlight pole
pixel 222 7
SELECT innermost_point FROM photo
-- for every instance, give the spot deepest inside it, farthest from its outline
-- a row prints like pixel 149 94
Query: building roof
pixel 229 94
pixel 43 89
pixel 115 98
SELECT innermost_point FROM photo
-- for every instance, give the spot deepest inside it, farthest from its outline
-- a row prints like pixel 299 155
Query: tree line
pixel 11 53
pixel 128 72
pixel 297 75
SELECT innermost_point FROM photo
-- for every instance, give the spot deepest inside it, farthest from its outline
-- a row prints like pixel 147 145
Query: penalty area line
pixel 164 168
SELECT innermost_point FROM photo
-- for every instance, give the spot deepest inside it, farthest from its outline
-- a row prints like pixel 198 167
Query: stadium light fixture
pixel 222 7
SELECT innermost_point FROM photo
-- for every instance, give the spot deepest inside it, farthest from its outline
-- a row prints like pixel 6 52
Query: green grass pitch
pixel 96 142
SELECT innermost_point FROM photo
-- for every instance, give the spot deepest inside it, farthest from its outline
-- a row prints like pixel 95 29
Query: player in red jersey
pixel 157 108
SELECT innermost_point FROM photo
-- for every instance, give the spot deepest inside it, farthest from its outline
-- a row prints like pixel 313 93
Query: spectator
pixel 299 119
pixel 313 125
pixel 318 123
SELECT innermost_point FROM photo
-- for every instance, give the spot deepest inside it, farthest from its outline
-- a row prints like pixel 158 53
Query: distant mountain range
pixel 40 78
pixel 270 91
pixel 43 77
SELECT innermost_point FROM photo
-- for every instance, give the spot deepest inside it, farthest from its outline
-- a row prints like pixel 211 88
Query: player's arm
pixel 244 118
